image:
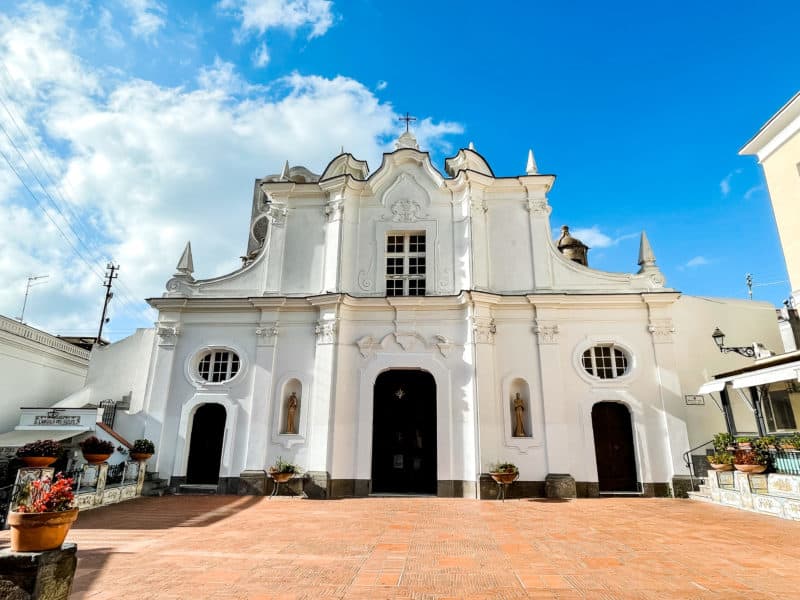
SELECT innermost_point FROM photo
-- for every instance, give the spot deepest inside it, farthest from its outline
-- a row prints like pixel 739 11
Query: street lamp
pixel 719 340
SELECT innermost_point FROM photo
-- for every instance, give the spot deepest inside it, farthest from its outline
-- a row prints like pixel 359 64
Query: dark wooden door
pixel 404 433
pixel 613 447
pixel 205 449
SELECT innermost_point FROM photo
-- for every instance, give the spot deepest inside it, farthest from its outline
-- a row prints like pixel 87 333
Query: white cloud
pixel 594 238
pixel 725 184
pixel 261 56
pixel 258 16
pixel 106 30
pixel 382 85
pixel 155 166
pixel 148 17
pixel 697 261
pixel 754 191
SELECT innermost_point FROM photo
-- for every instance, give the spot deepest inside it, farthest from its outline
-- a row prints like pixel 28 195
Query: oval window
pixel 216 366
pixel 605 361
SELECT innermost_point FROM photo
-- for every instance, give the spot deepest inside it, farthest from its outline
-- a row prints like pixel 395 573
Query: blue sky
pixel 153 118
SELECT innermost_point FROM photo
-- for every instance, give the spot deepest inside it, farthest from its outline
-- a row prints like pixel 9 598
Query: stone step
pixel 197 489
pixel 155 487
pixel 700 496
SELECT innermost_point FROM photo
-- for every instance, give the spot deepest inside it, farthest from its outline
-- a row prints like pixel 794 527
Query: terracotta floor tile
pixel 187 548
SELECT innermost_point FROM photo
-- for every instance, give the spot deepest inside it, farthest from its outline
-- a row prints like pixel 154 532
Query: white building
pixel 383 324
pixel 37 369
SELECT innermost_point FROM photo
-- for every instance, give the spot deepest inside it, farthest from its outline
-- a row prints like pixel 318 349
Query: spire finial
pixel 285 172
pixel 531 168
pixel 185 263
pixel 471 146
pixel 647 260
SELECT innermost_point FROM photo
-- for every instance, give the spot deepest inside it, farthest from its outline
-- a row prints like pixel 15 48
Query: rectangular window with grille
pixel 405 264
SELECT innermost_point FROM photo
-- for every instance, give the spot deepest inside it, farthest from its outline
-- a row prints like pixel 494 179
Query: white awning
pixel 715 385
pixel 20 437
pixel 773 375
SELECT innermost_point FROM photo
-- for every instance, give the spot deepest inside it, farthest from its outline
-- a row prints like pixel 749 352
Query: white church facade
pixel 402 330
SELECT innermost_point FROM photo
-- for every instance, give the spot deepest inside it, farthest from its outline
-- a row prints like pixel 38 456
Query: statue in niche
pixel 291 413
pixel 519 421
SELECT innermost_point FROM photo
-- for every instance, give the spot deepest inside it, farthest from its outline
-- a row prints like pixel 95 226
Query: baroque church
pixel 402 330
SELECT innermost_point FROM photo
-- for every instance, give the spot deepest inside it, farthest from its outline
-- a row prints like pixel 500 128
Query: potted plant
pixel 40 453
pixel 504 472
pixel 721 461
pixel 755 459
pixel 43 513
pixel 282 471
pixel 744 443
pixel 96 450
pixel 142 449
pixel 723 442
pixel 790 443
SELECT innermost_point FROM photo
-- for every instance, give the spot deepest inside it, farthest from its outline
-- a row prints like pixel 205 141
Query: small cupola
pixel 572 248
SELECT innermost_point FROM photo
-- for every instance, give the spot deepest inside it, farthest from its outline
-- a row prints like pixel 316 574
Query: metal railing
pixel 687 458
pixel 786 462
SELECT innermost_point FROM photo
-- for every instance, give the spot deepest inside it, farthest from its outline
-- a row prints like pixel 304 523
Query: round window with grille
pixel 216 366
pixel 605 361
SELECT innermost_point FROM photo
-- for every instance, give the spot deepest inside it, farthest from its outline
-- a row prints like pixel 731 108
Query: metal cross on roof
pixel 408 120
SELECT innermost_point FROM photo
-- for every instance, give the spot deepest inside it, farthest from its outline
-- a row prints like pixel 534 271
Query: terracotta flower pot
pixel 505 478
pixel 281 477
pixel 37 461
pixel 140 455
pixel 721 467
pixel 94 459
pixel 35 532
pixel 751 468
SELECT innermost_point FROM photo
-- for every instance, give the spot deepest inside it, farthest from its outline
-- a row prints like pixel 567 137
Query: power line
pixel 127 300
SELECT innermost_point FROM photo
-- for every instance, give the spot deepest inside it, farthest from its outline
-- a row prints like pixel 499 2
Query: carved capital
pixel 483 330
pixel 478 205
pixel 267 334
pixel 167 334
pixel 661 330
pixel 277 215
pixel 334 210
pixel 546 332
pixel 326 331
pixel 538 207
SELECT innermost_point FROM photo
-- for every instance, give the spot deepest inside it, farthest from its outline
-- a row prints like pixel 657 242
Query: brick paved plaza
pixel 430 548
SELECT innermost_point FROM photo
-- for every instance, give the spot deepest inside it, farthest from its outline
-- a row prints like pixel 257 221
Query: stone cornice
pixel 35 337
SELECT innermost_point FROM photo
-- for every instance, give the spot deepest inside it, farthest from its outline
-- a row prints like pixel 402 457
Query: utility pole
pixel 32 281
pixel 111 275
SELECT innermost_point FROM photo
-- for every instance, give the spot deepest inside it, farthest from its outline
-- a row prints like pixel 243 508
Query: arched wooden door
pixel 205 448
pixel 613 447
pixel 404 433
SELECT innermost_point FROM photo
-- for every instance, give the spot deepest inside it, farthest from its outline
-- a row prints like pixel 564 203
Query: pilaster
pixel 556 419
pixel 661 330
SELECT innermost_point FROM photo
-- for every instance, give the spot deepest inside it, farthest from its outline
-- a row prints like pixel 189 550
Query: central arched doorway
pixel 404 433
pixel 205 448
pixel 613 447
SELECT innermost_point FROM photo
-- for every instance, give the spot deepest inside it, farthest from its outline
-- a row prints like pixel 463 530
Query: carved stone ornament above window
pixel 406 210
